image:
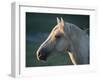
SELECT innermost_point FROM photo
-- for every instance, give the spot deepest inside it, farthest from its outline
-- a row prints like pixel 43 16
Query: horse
pixel 69 38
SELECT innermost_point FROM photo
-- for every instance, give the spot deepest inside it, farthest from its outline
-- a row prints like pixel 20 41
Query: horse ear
pixel 62 22
pixel 58 21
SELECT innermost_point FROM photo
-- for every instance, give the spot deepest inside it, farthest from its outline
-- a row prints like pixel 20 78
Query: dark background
pixel 38 27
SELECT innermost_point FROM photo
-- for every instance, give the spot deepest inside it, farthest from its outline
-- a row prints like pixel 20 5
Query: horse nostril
pixel 41 52
pixel 39 55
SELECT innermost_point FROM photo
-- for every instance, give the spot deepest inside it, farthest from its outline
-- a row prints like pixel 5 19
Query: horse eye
pixel 57 36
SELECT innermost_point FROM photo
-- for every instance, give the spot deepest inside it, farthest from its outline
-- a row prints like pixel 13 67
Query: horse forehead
pixel 54 31
pixel 55 28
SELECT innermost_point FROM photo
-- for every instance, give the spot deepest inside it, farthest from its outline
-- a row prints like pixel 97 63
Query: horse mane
pixel 79 40
pixel 72 28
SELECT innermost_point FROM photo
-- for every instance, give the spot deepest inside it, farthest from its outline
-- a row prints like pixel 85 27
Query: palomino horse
pixel 66 37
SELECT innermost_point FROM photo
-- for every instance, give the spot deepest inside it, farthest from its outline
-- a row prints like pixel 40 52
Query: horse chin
pixel 44 61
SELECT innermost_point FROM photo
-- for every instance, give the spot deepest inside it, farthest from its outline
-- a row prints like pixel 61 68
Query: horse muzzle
pixel 42 54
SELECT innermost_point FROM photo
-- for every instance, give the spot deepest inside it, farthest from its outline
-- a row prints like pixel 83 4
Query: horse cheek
pixel 61 45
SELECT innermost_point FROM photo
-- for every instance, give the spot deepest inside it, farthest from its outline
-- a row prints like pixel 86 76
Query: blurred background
pixel 38 27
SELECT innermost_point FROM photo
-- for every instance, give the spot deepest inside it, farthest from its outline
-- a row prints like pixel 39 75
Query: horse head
pixel 66 37
pixel 56 41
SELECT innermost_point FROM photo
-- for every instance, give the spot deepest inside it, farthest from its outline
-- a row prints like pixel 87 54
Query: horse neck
pixel 79 40
pixel 73 32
